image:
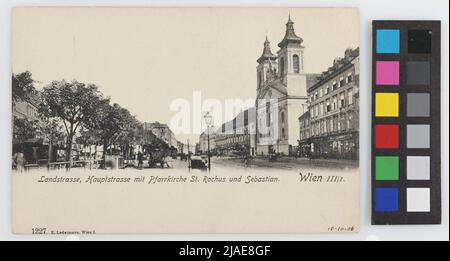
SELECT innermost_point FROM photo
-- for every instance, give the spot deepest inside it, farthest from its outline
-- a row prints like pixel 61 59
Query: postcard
pixel 184 120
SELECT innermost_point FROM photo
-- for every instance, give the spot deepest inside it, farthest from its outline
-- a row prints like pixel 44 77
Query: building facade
pixel 332 130
pixel 34 147
pixel 26 109
pixel 203 141
pixel 197 148
pixel 163 132
pixel 237 137
pixel 304 146
pixel 180 147
pixel 281 94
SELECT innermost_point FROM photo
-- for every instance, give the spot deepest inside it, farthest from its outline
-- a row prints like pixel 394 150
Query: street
pixel 230 164
pixel 285 163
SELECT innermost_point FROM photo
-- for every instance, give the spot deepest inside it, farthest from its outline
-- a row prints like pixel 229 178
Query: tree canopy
pixel 73 103
pixel 22 86
pixel 24 129
pixel 71 110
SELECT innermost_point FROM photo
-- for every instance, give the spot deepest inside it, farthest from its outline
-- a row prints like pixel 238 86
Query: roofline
pixel 333 74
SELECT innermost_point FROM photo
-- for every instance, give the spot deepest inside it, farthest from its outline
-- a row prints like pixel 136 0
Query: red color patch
pixel 386 136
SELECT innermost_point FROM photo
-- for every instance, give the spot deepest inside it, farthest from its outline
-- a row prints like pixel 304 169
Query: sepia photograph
pixel 185 120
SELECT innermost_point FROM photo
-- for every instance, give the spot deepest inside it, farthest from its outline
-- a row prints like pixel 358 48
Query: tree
pixel 153 143
pixel 22 86
pixel 132 134
pixel 52 130
pixel 109 122
pixel 87 138
pixel 24 129
pixel 71 102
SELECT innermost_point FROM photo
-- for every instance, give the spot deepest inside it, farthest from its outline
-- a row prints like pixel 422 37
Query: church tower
pixel 266 63
pixel 290 61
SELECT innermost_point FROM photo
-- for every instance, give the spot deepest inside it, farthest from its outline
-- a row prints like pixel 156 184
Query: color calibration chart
pixel 406 172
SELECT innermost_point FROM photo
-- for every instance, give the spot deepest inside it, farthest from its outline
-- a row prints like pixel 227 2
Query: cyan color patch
pixel 388 41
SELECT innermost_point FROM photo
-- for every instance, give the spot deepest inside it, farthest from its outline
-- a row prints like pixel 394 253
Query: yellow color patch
pixel 386 104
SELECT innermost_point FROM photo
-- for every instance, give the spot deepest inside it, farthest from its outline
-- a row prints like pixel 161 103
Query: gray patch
pixel 418 73
pixel 418 105
pixel 418 136
pixel 418 167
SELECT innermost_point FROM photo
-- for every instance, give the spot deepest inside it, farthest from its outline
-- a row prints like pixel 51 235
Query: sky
pixel 145 58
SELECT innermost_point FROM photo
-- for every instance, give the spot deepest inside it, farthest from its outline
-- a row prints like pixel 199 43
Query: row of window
pixel 230 140
pixel 333 103
pixel 27 109
pixel 333 124
pixel 304 123
pixel 320 92
pixel 304 135
pixel 31 111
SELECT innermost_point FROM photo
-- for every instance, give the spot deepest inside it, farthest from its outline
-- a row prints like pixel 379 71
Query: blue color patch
pixel 386 199
pixel 388 41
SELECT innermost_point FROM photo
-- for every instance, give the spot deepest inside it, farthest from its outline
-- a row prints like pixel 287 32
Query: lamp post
pixel 188 147
pixel 208 121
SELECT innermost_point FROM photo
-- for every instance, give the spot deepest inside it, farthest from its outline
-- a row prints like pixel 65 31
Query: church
pixel 281 94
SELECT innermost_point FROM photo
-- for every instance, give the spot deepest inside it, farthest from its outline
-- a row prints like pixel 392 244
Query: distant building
pixel 186 148
pixel 163 132
pixel 27 109
pixel 304 146
pixel 197 148
pixel 180 147
pixel 237 136
pixel 203 140
pixel 333 109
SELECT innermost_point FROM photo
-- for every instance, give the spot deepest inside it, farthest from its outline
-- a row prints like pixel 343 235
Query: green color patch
pixel 386 167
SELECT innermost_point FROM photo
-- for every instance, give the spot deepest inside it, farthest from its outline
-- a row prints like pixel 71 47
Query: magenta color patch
pixel 387 73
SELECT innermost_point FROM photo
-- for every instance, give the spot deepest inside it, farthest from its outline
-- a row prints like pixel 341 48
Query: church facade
pixel 281 94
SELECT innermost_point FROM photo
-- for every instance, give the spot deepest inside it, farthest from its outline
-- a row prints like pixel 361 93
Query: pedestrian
pixel 140 160
pixel 246 160
pixel 150 160
pixel 19 160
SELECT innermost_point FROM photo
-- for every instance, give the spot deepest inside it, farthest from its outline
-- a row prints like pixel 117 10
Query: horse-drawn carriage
pixel 157 157
pixel 157 153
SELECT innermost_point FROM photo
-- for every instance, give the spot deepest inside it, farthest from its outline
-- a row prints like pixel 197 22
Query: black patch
pixel 419 41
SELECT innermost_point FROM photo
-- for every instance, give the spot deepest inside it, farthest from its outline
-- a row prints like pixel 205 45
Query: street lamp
pixel 188 147
pixel 208 121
